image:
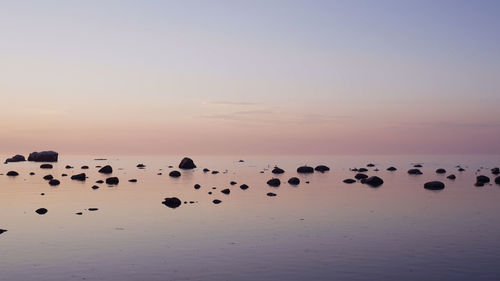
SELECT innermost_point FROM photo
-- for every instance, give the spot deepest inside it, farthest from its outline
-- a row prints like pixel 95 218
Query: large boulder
pixel 106 170
pixel 434 185
pixel 373 181
pixel 44 156
pixel 17 158
pixel 187 164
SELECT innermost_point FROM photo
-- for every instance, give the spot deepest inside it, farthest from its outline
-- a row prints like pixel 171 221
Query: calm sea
pixel 324 230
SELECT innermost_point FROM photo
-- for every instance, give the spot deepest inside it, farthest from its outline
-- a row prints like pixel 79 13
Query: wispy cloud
pixel 222 102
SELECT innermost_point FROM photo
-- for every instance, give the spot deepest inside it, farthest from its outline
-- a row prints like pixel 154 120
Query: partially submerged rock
pixel 434 185
pixel 48 177
pixel 277 170
pixel 216 201
pixel 44 156
pixel 360 176
pixel 41 211
pixel 441 171
pixel 362 170
pixel 175 174
pixel 274 182
pixel 16 158
pixel 373 181
pixel 322 168
pixel 94 187
pixel 414 172
pixel 3 230
pixel 244 187
pixel 85 167
pixel 226 191
pixel 106 170
pixel 451 177
pixel 495 171
pixel 197 186
pixel 349 181
pixel 54 182
pixel 271 194
pixel 112 181
pixel 187 164
pixel 12 174
pixel 79 177
pixel 46 166
pixel 370 165
pixel 172 202
pixel 294 181
pixel 141 166
pixel 132 180
pixel 392 169
pixel 305 170
pixel 482 179
pixel 497 180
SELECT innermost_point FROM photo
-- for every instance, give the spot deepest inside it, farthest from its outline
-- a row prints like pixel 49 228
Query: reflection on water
pixel 324 230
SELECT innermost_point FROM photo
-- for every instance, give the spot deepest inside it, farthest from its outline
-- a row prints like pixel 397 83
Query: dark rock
pixel 434 185
pixel 79 177
pixel 482 179
pixel 233 183
pixel 479 184
pixel 132 180
pixel 41 211
pixel 360 176
pixel 141 166
pixel 270 194
pixel 495 171
pixel 32 174
pixel 414 172
pixel 305 170
pixel 373 181
pixel 54 182
pixel 187 164
pixel 95 187
pixel 93 209
pixel 274 182
pixel 106 170
pixel 226 191
pixel 294 181
pixel 159 174
pixel 376 170
pixel 244 187
pixel 46 166
pixel 48 177
pixel 44 156
pixel 64 175
pixel 172 202
pixel 17 158
pixel 349 181
pixel 451 177
pixel 241 161
pixel 215 172
pixel 175 174
pixel 417 166
pixel 42 194
pixel 392 169
pixel 79 213
pixel 214 187
pixel 322 168
pixel 217 201
pixel 197 186
pixel 362 170
pixel 3 230
pixel 84 167
pixel 497 180
pixel 205 170
pixel 112 181
pixel 277 170
pixel 210 192
pixel 99 181
pixel 370 165
pixel 461 169
pixel 12 174
pixel 69 167
pixel 441 171
pixel 353 169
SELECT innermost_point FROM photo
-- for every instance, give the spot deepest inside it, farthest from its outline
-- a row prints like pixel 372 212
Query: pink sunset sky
pixel 254 77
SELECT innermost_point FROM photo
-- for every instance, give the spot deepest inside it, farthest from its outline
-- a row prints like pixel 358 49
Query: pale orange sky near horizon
pixel 188 77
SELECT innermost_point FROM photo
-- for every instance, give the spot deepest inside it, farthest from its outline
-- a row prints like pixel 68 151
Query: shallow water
pixel 324 230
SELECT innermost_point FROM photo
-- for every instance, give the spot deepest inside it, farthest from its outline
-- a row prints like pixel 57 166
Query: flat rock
pixel 414 172
pixel 434 185
pixel 274 182
pixel 85 167
pixel 132 180
pixel 417 166
pixel 277 171
pixel 322 168
pixel 362 170
pixel 48 177
pixel 54 182
pixel 187 164
pixel 497 180
pixel 233 183
pixel 141 166
pixel 46 166
pixel 271 194
pixel 360 176
pixel 370 165
pixel 44 156
pixel 440 171
pixel 294 181
pixel 349 181
pixel 216 201
pixel 12 174
pixel 16 158
pixel 392 169
pixel 106 170
pixel 244 187
pixel 41 211
pixel 373 181
pixel 172 202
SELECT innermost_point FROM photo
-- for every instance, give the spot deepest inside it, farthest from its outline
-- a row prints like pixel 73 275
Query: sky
pixel 250 77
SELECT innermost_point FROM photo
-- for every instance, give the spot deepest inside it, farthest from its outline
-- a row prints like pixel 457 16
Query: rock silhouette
pixel 274 182
pixel 48 177
pixel 46 166
pixel 226 191
pixel 414 172
pixel 175 174
pixel 497 180
pixel 373 181
pixel 362 170
pixel 434 185
pixel 495 171
pixel 277 170
pixel 16 158
pixel 187 164
pixel 44 156
pixel 271 194
pixel 360 176
pixel 12 174
pixel 172 202
pixel 294 181
pixel 112 181
pixel 482 179
pixel 244 187
pixel 392 169
pixel 322 168
pixel 451 177
pixel 440 171
pixel 349 181
pixel 197 186
pixel 217 201
pixel 132 180
pixel 305 170
pixel 54 182
pixel 79 177
pixel 106 170
pixel 41 211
